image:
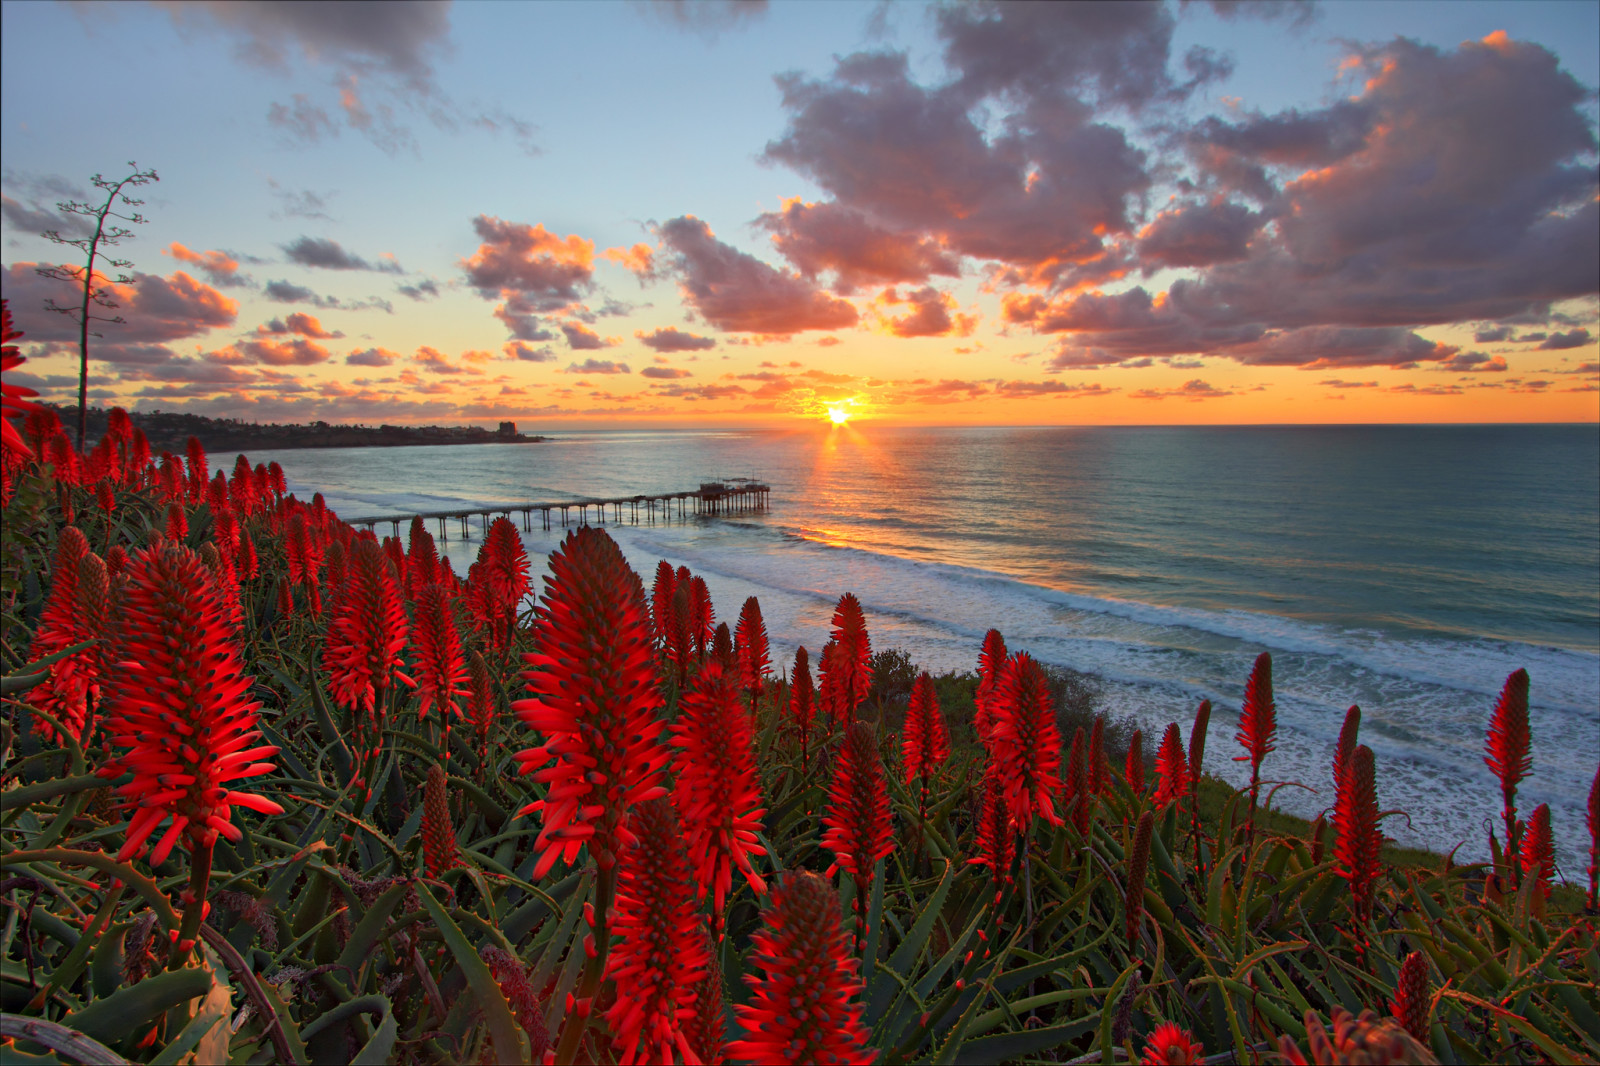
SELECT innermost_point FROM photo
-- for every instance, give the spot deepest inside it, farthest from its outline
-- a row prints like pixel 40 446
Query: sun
pixel 838 415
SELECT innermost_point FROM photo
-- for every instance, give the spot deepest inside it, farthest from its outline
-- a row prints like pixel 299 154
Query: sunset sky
pixel 684 214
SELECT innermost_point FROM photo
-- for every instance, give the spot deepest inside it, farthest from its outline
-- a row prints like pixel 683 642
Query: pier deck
pixel 728 496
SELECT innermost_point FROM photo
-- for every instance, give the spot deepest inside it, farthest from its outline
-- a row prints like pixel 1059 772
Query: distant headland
pixel 171 430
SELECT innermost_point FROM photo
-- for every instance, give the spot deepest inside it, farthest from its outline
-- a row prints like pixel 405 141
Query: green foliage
pixel 326 942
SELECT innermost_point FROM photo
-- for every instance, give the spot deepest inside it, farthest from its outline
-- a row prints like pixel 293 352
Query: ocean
pixel 1407 569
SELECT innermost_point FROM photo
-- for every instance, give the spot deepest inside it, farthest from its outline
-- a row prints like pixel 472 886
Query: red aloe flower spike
pixel 857 821
pixel 660 954
pixel 1133 768
pixel 1360 842
pixel 1076 784
pixel 661 592
pixel 199 469
pixel 1346 746
pixel 396 555
pixel 991 661
pixel 1410 1006
pixel 480 706
pixel 1172 767
pixel 1594 841
pixel 169 478
pixel 1172 1045
pixel 280 484
pixel 249 564
pixel 38 426
pixel 680 633
pixel 242 488
pixel 224 524
pixel 12 403
pixel 503 566
pixel 593 701
pixel 805 959
pixel 722 649
pixel 285 600
pixel 440 668
pixel 704 1028
pixel 61 626
pixel 116 561
pixel 1353 1040
pixel 261 485
pixel 927 739
pixel 439 852
pixel 1025 742
pixel 750 640
pixel 718 790
pixel 227 578
pixel 996 841
pixel 422 561
pixel 1138 865
pixel 828 683
pixel 853 654
pixel 181 712
pixel 1258 725
pixel 105 498
pixel 1538 858
pixel 702 616
pixel 1098 769
pixel 1508 743
pixel 73 687
pixel 801 710
pixel 362 648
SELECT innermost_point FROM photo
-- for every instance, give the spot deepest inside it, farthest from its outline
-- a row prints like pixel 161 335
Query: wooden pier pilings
pixel 733 496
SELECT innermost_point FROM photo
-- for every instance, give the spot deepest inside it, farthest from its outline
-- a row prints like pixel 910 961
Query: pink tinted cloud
pixel 582 338
pixel 548 272
pixel 1194 390
pixel 738 293
pixel 298 322
pixel 665 373
pixel 929 313
pixel 371 357
pixel 827 237
pixel 669 339
pixel 295 351
pixel 220 268
pixel 639 260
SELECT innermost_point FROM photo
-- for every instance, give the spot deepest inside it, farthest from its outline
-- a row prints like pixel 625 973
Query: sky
pixel 703 213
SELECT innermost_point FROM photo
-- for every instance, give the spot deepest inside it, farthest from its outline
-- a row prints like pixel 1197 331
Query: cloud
pixel 582 338
pixel 157 309
pixel 1473 363
pixel 1023 390
pixel 220 268
pixel 285 292
pixel 701 392
pixel 299 322
pixel 530 269
pixel 427 289
pixel 946 391
pixel 598 366
pixel 296 351
pixel 739 293
pixel 929 314
pixel 1197 235
pixel 436 362
pixel 1577 338
pixel 330 255
pixel 302 120
pixel 665 373
pixel 1336 383
pixel 640 260
pixel 668 339
pixel 706 17
pixel 826 237
pixel 527 353
pixel 1492 336
pixel 371 357
pixel 300 203
pixel 1194 389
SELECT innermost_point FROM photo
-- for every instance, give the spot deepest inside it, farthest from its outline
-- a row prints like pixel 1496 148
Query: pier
pixel 725 497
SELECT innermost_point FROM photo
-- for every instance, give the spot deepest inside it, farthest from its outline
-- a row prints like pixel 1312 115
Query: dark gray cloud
pixel 527 353
pixel 826 237
pixel 285 292
pixel 300 203
pixel 598 366
pixel 738 293
pixel 1577 338
pixel 709 18
pixel 371 357
pixel 426 289
pixel 582 338
pixel 328 254
pixel 1197 235
pixel 669 339
pixel 157 309
pixel 665 373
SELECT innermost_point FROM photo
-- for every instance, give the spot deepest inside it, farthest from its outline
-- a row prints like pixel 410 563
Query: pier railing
pixel 728 496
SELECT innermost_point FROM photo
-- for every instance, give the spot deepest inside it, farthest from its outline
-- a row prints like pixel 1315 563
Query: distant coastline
pixel 171 430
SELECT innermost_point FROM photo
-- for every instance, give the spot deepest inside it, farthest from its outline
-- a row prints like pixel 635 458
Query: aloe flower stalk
pixel 439 851
pixel 1353 1040
pixel 1098 770
pixel 12 403
pixel 926 744
pixel 1348 738
pixel 852 655
pixel 1025 742
pixel 751 649
pixel 680 633
pixel 660 954
pixel 422 558
pixel 198 468
pixel 594 702
pixel 61 625
pixel 1410 1006
pixel 1077 786
pixel 1507 748
pixel 1538 857
pixel 181 714
pixel 996 842
pixel 662 590
pixel 705 1027
pixel 440 667
pixel 702 616
pixel 1138 866
pixel 991 662
pixel 1172 768
pixel 480 706
pixel 1360 842
pixel 361 651
pixel 718 789
pixel 1133 767
pixel 857 822
pixel 1197 758
pixel 1258 724
pixel 801 706
pixel 803 958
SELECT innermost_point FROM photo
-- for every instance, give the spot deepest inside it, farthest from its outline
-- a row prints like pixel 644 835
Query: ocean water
pixel 1407 569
